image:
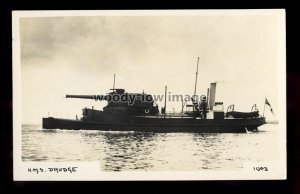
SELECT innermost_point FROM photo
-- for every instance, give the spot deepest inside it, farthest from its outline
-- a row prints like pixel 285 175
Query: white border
pixel 91 170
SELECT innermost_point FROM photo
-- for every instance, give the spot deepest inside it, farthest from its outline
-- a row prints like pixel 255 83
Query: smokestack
pixel 212 95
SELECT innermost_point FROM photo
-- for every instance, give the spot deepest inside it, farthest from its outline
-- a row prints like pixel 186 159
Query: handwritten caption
pixel 260 168
pixel 53 170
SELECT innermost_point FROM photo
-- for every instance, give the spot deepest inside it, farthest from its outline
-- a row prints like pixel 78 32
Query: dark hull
pixel 160 125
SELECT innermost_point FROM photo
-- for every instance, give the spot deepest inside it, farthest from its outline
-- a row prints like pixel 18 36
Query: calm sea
pixel 150 151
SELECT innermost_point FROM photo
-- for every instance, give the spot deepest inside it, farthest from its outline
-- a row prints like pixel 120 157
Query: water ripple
pixel 123 151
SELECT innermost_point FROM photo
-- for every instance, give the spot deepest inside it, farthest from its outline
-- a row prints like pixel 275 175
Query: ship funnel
pixel 212 95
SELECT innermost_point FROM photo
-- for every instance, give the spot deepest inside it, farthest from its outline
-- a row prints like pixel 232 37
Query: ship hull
pixel 160 125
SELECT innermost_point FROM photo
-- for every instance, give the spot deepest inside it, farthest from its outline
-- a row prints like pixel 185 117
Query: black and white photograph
pixel 149 95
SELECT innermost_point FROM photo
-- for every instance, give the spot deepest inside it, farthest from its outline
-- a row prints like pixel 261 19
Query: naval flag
pixel 267 103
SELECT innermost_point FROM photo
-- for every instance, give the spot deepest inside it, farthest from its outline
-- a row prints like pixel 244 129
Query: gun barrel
pixel 80 96
pixel 92 97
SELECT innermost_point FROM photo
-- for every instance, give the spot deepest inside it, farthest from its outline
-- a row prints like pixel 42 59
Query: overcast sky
pixel 80 55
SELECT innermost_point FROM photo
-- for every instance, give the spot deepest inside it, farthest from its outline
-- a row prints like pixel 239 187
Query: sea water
pixel 117 151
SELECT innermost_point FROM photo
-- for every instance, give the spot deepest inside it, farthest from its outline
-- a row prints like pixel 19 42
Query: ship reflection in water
pixel 118 151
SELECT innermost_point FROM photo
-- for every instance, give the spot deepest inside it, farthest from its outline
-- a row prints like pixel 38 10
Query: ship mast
pixel 114 82
pixel 165 108
pixel 194 101
pixel 196 78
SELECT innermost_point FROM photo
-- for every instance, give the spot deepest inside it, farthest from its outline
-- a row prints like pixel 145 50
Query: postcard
pixel 149 95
